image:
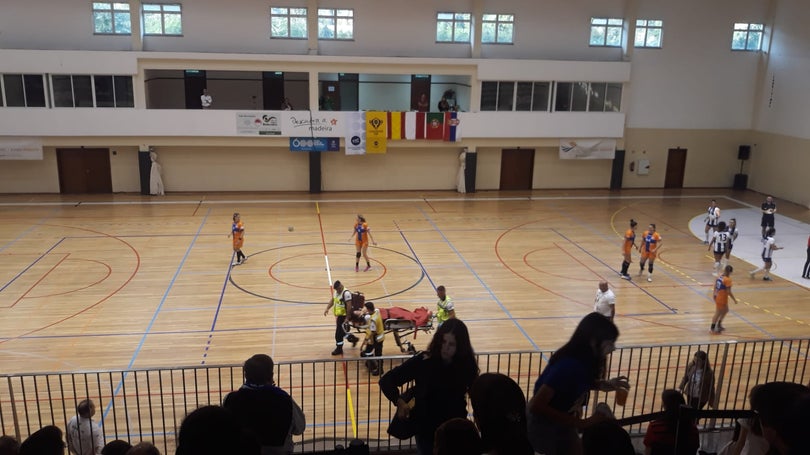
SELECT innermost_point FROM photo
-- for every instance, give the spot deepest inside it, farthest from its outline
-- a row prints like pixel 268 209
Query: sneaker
pixel 640 272
pixel 234 264
pixel 720 328
pixel 356 268
pixel 338 350
pixel 751 274
pixel 705 242
pixel 375 372
pixel 626 277
pixel 649 279
pixel 368 267
pixel 714 332
pixel 766 278
pixel 244 259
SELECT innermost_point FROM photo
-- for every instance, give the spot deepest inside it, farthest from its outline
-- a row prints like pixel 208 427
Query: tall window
pixel 162 19
pixel 514 96
pixel 498 29
pixel 24 90
pixel 336 24
pixel 453 27
pixel 92 91
pixel 606 32
pixel 111 18
pixel 288 22
pixel 649 33
pixel 747 37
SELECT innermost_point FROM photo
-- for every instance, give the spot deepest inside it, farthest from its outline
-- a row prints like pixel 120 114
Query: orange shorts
pixel 238 242
pixel 360 244
pixel 648 254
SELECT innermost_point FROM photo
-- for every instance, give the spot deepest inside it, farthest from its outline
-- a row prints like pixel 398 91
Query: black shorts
pixel 767 220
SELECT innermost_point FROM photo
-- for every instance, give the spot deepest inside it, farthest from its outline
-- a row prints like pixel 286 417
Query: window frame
pixel 25 91
pixel 112 11
pixel 455 21
pixel 162 13
pixel 498 22
pixel 645 24
pixel 748 31
pixel 336 18
pixel 289 16
pixel 573 96
pixel 608 25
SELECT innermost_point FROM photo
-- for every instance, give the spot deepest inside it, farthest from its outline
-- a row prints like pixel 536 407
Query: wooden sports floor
pixel 130 281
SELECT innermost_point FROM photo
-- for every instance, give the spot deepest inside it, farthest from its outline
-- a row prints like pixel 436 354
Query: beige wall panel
pixel 780 166
pixel 30 176
pixel 126 177
pixel 552 172
pixel 488 169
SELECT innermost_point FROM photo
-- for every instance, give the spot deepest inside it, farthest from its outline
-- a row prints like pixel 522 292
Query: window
pixel 453 27
pixel 588 96
pixel 649 33
pixel 113 91
pixel 162 19
pixel 72 91
pixel 24 90
pixel 111 18
pixel 498 29
pixel 288 22
pixel 747 37
pixel 336 24
pixel 515 96
pixel 606 32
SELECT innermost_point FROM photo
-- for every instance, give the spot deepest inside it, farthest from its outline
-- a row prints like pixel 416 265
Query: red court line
pixel 109 272
pixel 107 297
pixel 34 284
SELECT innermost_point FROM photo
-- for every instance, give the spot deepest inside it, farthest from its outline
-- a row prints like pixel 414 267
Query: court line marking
pixel 41 256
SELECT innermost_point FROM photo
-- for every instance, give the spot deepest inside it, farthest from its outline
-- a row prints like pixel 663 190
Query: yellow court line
pixel 351 411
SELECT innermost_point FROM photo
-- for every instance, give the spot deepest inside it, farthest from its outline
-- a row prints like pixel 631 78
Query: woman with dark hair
pixel 627 246
pixel 442 378
pixel 562 389
pixel 671 435
pixel 499 410
pixel 698 381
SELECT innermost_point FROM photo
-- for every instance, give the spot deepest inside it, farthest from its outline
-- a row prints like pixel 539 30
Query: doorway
pixel 194 82
pixel 617 170
pixel 84 171
pixel 517 169
pixel 420 84
pixel 676 168
pixel 330 96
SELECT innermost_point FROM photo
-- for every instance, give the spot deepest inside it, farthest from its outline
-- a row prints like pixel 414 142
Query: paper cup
pixel 621 396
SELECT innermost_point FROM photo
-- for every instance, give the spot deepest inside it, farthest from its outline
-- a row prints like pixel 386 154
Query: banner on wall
pixel 258 123
pixel 314 144
pixel 587 149
pixel 20 148
pixel 355 133
pixel 313 124
pixel 376 132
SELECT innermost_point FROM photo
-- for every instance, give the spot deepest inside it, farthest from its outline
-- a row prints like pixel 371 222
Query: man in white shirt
pixel 206 99
pixel 605 302
pixel 84 437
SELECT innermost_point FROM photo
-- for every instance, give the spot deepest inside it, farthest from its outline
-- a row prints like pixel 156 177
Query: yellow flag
pixel 376 132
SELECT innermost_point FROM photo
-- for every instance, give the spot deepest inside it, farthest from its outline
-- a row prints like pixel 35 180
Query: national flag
pixel 435 126
pixel 420 125
pixel 452 133
pixel 396 125
pixel 355 133
pixel 376 131
pixel 410 125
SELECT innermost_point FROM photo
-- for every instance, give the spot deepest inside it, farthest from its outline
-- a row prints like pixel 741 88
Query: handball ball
pixel 290 228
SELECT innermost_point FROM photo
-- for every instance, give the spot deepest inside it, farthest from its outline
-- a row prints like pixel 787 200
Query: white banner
pixel 587 149
pixel 313 123
pixel 355 133
pixel 258 123
pixel 20 148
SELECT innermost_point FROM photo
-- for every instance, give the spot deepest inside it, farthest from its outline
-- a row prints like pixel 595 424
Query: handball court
pixel 129 281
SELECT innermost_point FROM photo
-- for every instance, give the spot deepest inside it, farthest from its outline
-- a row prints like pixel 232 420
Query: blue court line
pixel 219 306
pixel 30 228
pixel 22 272
pixel 155 315
pixel 478 277
pixel 415 256
pixel 660 302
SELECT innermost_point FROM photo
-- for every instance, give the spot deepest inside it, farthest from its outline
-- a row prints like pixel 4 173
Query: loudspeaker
pixel 744 152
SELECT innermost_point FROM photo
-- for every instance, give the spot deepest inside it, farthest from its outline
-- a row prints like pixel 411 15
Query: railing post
pixel 14 417
pixel 718 386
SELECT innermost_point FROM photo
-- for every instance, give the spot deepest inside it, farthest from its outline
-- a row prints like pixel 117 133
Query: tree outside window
pixel 111 18
pixel 288 22
pixel 747 37
pixel 498 28
pixel 453 27
pixel 336 24
pixel 649 33
pixel 162 19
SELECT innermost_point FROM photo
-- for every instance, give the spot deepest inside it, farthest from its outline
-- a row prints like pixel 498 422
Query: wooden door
pixel 420 84
pixel 84 170
pixel 517 169
pixel 676 168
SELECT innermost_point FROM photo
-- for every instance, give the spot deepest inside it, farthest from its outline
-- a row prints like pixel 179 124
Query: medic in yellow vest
pixel 375 335
pixel 445 309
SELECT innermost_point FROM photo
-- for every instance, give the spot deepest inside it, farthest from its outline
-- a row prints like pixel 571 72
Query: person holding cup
pixel 576 368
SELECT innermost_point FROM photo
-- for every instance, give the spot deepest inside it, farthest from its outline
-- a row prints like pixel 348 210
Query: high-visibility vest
pixel 379 329
pixel 339 306
pixel 441 314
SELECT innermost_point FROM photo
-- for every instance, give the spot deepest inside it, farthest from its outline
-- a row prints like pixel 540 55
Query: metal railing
pixel 342 400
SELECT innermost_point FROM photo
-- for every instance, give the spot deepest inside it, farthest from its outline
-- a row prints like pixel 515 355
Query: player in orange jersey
pixel 629 244
pixel 650 244
pixel 361 234
pixel 722 291
pixel 238 234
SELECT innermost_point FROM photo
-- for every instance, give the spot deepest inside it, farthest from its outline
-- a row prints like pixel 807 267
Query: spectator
pixel 45 441
pixel 206 100
pixel 607 438
pixel 443 106
pixel 213 430
pixel 266 412
pixel 423 105
pixel 117 447
pixel 9 445
pixel 286 105
pixel 781 406
pixel 84 437
pixel 457 436
pixel 443 376
pixel 561 390
pixel 698 382
pixel 144 448
pixel 671 435
pixel 749 439
pixel 499 409
pixel 605 301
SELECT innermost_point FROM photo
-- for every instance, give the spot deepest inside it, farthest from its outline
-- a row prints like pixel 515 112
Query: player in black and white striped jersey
pixel 712 217
pixel 768 247
pixel 733 233
pixel 719 245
